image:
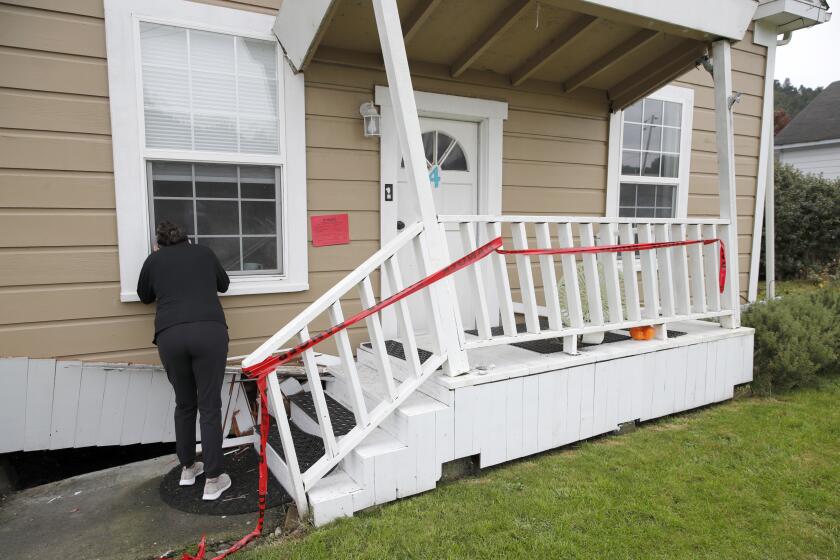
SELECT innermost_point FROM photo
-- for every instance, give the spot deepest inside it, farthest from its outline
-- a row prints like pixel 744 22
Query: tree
pixel 791 99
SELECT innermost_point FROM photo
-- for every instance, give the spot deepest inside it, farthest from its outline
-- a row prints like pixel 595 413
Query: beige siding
pixel 59 277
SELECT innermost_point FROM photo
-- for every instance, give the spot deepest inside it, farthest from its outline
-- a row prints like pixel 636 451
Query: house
pixel 551 123
pixel 811 141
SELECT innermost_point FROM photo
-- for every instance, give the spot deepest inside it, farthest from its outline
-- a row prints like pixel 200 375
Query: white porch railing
pixel 677 283
pixel 287 469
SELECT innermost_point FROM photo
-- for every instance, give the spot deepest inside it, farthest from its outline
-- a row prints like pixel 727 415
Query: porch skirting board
pixel 529 411
pixel 50 404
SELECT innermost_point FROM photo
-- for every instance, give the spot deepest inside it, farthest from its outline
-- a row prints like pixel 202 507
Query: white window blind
pixel 209 92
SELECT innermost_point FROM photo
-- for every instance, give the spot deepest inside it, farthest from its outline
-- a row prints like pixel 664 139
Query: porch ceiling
pixel 569 43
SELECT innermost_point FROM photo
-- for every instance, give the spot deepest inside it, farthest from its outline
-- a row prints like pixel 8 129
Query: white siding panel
pixel 530 413
pixel 160 393
pixel 587 403
pixel 40 383
pixel 492 417
pixel 91 394
pixel 823 160
pixel 464 413
pixel 13 403
pixel 139 389
pixel 113 406
pixel 547 409
pixel 574 390
pixel 68 381
pixel 514 412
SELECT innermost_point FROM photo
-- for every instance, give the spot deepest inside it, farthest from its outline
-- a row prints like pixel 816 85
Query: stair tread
pixel 342 419
pixel 374 391
pixel 337 484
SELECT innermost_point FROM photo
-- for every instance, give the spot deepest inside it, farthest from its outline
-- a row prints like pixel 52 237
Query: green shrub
pixel 797 339
pixel 807 224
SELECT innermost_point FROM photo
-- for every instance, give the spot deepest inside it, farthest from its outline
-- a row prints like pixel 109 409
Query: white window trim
pixel 122 19
pixel 682 95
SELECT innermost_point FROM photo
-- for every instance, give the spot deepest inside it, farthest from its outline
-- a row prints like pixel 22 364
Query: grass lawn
pixel 752 478
pixel 789 287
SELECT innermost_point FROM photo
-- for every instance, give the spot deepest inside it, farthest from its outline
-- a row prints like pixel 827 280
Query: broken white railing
pixel 410 243
pixel 677 283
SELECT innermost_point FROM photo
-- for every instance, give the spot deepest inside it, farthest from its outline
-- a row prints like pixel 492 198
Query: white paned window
pixel 650 152
pixel 209 91
pixel 208 132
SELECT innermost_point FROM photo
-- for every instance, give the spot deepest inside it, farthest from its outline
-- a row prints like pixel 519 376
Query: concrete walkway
pixel 116 513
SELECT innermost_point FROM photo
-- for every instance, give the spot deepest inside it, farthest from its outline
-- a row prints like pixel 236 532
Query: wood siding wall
pixel 59 277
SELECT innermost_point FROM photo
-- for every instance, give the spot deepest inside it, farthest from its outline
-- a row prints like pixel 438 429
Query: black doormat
pixel 308 448
pixel 555 345
pixel 243 468
pixel 342 419
pixel 520 328
pixel 395 349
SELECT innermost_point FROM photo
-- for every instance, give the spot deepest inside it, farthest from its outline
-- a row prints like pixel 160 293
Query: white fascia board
pixel 717 18
pixel 298 25
pixel 790 15
pixel 780 147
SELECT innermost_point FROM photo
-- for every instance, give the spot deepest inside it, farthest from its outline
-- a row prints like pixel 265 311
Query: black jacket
pixel 184 279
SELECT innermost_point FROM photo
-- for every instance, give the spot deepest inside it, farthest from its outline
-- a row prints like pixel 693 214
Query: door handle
pixel 400 225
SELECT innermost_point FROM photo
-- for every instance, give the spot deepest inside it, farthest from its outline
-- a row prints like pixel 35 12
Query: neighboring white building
pixel 811 141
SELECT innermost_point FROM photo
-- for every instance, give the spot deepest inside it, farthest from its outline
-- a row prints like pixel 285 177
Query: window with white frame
pixel 650 152
pixel 207 122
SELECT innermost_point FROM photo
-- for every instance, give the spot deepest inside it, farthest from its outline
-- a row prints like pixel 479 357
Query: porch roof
pixel 624 48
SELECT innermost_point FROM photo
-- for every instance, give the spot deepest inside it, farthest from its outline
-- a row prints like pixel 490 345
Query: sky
pixel 812 58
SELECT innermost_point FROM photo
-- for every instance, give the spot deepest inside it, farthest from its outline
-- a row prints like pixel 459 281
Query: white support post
pixel 411 145
pixel 722 57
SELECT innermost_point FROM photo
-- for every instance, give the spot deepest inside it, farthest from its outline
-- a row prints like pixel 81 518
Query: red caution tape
pixel 261 370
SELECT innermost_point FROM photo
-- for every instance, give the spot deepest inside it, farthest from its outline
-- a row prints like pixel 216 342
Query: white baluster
pixel 482 320
pixel 711 262
pixel 570 280
pixel 695 263
pixel 590 273
pixel 549 278
pixel 609 261
pixel 275 397
pixel 423 265
pixel 392 271
pixel 649 283
pixel 680 263
pixel 499 265
pixel 318 399
pixel 348 365
pixel 665 272
pixel 628 264
pixel 526 278
pixel 377 338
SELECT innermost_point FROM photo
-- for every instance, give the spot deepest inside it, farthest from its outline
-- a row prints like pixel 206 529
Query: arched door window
pixel 443 152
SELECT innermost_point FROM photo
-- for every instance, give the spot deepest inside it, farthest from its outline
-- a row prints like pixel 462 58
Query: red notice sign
pixel 330 229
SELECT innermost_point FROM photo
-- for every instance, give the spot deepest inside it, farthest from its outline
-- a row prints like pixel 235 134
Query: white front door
pixel 452 162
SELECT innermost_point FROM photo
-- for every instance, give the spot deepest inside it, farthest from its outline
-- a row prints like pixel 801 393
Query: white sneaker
pixel 188 474
pixel 213 487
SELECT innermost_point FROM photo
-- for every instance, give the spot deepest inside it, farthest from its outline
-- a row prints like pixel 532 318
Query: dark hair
pixel 168 233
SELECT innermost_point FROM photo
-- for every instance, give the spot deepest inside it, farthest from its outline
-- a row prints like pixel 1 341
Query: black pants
pixel 194 355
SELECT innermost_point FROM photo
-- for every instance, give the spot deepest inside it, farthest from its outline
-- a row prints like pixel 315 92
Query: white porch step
pixel 396 460
pixel 332 497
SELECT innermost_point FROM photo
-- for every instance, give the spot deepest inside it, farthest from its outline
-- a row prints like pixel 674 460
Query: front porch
pixel 477 347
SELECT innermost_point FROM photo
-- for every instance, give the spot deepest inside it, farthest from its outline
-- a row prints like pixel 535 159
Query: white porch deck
pixel 526 403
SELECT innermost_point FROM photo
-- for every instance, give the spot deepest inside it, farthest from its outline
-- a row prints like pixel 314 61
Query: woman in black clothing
pixel 192 340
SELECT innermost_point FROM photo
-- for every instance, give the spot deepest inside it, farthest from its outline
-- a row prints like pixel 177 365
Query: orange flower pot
pixel 642 333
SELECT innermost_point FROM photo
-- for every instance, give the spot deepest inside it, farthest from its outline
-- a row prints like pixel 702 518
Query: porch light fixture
pixel 372 119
